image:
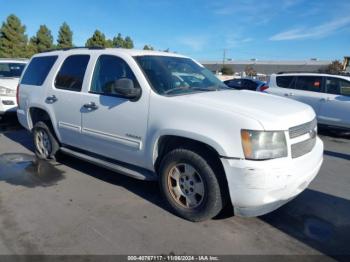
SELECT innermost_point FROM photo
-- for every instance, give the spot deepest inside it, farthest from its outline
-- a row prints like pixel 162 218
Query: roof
pixel 131 52
pixel 313 74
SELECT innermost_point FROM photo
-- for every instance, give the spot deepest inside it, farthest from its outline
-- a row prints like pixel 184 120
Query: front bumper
pixel 8 104
pixel 259 187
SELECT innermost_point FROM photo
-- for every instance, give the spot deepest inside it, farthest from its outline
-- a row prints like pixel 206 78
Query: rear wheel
pixel 45 143
pixel 190 185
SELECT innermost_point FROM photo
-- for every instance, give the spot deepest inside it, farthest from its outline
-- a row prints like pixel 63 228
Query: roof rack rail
pixel 296 72
pixel 14 58
pixel 75 47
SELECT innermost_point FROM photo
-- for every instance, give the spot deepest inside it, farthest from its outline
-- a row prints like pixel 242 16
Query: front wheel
pixel 190 185
pixel 45 143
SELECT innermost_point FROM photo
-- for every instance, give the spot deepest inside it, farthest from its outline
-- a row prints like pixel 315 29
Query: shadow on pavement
pixel 317 219
pixel 337 154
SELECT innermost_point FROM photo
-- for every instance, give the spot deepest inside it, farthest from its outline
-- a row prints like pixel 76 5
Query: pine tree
pixel 98 39
pixel 43 40
pixel 128 43
pixel 65 36
pixel 148 47
pixel 118 41
pixel 13 41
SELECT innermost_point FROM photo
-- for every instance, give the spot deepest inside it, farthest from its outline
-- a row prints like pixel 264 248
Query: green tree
pixel 98 39
pixel 227 70
pixel 118 41
pixel 128 43
pixel 148 47
pixel 13 41
pixel 42 41
pixel 65 36
pixel 334 68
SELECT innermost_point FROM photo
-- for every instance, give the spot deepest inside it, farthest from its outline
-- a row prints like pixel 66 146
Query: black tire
pixel 40 127
pixel 213 200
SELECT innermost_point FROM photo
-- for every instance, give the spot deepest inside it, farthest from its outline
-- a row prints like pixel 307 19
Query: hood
pixel 273 112
pixel 10 83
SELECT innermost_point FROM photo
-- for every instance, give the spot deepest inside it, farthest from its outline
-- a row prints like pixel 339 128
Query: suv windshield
pixel 11 69
pixel 176 75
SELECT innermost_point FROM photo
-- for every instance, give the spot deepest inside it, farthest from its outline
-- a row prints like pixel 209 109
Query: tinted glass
pixel 249 85
pixel 11 69
pixel 71 75
pixel 285 81
pixel 108 69
pixel 309 83
pixel 235 83
pixel 37 70
pixel 177 75
pixel 337 86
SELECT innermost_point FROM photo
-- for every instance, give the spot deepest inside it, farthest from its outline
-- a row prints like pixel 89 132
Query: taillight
pixel 263 88
pixel 17 95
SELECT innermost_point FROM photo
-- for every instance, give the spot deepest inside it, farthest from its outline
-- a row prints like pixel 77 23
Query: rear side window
pixel 309 83
pixel 71 75
pixel 337 86
pixel 38 70
pixel 285 81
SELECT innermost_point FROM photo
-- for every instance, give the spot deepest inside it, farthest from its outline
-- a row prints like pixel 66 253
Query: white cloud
pixel 319 31
pixel 196 43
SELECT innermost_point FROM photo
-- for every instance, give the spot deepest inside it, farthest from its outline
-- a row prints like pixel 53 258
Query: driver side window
pixel 107 71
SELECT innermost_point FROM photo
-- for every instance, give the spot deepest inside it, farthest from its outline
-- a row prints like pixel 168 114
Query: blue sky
pixel 262 29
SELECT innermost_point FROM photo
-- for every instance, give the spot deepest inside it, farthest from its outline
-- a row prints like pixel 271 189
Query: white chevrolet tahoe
pixel 10 72
pixel 160 116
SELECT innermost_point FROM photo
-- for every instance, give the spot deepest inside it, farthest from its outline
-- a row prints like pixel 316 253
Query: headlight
pixel 7 91
pixel 262 145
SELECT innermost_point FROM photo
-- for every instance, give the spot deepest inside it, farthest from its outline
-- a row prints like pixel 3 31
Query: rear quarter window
pixel 37 70
pixel 285 81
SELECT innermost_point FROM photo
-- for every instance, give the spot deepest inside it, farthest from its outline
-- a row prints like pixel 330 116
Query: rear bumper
pixel 259 187
pixel 8 104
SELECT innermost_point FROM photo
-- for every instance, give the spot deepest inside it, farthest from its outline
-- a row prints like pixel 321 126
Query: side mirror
pixel 124 87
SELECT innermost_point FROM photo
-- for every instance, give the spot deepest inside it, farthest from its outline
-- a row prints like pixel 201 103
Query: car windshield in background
pixel 11 69
pixel 177 75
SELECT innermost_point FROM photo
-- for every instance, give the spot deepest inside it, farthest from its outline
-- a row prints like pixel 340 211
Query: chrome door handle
pixel 288 94
pixel 325 99
pixel 51 99
pixel 90 106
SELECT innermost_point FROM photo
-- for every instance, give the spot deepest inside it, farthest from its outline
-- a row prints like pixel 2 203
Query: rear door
pixel 309 90
pixel 64 98
pixel 335 106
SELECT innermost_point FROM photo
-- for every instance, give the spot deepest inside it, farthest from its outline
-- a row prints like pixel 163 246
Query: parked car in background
pixel 10 72
pixel 329 95
pixel 247 84
pixel 160 116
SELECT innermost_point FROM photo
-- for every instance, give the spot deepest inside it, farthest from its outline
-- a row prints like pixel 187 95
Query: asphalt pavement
pixel 72 207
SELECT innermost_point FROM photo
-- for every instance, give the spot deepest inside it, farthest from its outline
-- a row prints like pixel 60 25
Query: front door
pixel 113 126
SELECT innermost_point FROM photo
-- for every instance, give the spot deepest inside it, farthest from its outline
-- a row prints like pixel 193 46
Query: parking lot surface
pixel 72 207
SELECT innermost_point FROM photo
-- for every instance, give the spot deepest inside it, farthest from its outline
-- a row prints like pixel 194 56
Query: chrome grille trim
pixel 303 147
pixel 302 129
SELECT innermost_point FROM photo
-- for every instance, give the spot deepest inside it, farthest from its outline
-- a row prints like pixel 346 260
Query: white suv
pixel 329 95
pixel 129 111
pixel 10 72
